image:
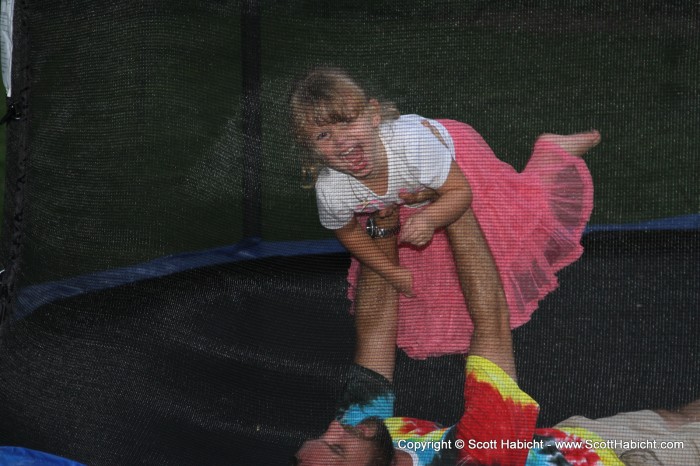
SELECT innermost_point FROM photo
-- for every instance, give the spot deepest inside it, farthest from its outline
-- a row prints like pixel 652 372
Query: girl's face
pixel 354 147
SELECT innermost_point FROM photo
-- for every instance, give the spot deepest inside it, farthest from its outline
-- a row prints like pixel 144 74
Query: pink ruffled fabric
pixel 532 221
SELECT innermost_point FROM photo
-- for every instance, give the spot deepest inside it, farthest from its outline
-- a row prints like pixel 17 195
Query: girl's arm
pixel 356 240
pixel 454 198
pixel 376 307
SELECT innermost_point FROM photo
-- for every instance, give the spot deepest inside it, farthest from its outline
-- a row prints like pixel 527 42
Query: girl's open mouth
pixel 355 157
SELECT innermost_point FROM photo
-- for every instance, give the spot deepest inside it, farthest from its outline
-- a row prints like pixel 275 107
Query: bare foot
pixel 575 144
pixel 677 418
pixel 674 419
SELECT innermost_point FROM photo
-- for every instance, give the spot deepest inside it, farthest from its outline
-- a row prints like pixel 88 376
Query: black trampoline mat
pixel 237 364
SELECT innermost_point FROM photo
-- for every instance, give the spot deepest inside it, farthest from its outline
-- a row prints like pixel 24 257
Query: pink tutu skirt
pixel 532 221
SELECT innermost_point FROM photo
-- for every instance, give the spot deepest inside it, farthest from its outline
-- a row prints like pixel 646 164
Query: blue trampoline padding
pixel 32 297
pixel 17 456
pixel 682 222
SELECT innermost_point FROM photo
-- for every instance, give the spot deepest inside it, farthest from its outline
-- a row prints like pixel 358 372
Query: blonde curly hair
pixel 325 96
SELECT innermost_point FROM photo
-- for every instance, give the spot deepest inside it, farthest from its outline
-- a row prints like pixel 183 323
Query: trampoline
pixel 168 295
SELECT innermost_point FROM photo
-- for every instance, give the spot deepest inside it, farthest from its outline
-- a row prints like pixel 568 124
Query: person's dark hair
pixel 382 445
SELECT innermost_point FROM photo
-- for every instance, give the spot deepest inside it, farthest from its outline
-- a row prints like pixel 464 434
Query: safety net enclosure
pixel 168 294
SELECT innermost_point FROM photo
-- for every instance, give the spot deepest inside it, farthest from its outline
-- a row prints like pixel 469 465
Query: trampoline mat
pixel 239 363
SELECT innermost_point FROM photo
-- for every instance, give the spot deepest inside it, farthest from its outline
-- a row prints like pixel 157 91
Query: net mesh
pixel 136 110
pixel 131 148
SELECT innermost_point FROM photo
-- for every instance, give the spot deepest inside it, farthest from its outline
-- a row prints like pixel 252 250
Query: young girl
pixel 364 157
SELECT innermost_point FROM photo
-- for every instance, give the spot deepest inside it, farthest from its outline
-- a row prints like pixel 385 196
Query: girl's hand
pixel 418 230
pixel 402 280
pixel 389 216
pixel 425 194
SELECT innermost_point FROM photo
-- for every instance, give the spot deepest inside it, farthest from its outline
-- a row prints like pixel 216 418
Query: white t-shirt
pixel 419 154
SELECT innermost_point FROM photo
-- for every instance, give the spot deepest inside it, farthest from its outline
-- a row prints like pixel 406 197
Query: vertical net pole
pixel 17 159
pixel 252 128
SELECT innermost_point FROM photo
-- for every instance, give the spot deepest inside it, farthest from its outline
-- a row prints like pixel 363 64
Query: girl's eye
pixel 323 135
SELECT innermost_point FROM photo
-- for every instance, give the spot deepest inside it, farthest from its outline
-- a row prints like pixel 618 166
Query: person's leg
pixel 483 292
pixel 495 408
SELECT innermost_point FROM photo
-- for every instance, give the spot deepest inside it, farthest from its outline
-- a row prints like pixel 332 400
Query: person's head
pixel 367 444
pixel 336 123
